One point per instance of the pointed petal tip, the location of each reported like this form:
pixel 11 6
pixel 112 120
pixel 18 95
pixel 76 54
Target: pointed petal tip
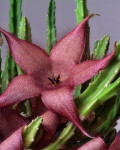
pixel 31 52
pixel 61 102
pixel 83 131
pixel 92 15
pixel 94 144
pixel 5 33
pixel 114 52
pixel 89 16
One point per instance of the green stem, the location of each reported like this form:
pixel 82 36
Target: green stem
pixel 15 14
pixel 51 29
pixel 81 10
pixel 64 136
pixel 106 94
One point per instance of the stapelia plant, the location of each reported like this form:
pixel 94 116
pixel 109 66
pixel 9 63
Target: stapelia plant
pixel 53 77
pixel 43 88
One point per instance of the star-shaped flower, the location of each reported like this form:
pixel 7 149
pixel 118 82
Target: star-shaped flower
pixel 52 77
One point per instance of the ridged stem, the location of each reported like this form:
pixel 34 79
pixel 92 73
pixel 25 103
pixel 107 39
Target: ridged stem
pixel 51 29
pixel 15 13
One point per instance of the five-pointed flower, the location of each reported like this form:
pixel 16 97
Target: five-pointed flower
pixel 52 77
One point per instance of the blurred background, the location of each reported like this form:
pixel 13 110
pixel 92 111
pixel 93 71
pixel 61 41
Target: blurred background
pixel 107 23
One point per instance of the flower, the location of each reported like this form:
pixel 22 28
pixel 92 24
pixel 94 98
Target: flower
pixel 52 77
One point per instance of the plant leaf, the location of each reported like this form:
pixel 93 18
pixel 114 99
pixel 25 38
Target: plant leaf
pixel 30 131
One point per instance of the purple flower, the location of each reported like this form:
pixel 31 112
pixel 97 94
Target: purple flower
pixel 52 77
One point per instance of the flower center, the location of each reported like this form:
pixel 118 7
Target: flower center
pixel 54 80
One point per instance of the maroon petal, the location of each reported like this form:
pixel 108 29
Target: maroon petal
pixel 87 69
pixel 69 50
pixel 95 144
pixel 21 88
pixel 50 122
pixel 50 119
pixel 31 58
pixel 14 142
pixel 116 143
pixel 9 122
pixel 37 107
pixel 61 101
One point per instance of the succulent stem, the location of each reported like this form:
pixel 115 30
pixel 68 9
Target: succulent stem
pixel 51 29
pixel 64 136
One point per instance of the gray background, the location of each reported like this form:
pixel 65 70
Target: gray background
pixel 36 10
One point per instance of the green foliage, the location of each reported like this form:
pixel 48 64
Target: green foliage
pixel 103 79
pixel 15 15
pixel 64 136
pixel 81 10
pixel 30 131
pixel 24 31
pixel 51 29
pixel 100 47
pixel 77 91
pixel 111 117
pixel 110 91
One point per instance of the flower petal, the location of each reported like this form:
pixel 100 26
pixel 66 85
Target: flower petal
pixel 61 101
pixel 69 50
pixel 14 142
pixel 9 122
pixel 50 119
pixel 95 144
pixel 31 58
pixel 21 88
pixel 50 122
pixel 87 69
pixel 37 107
